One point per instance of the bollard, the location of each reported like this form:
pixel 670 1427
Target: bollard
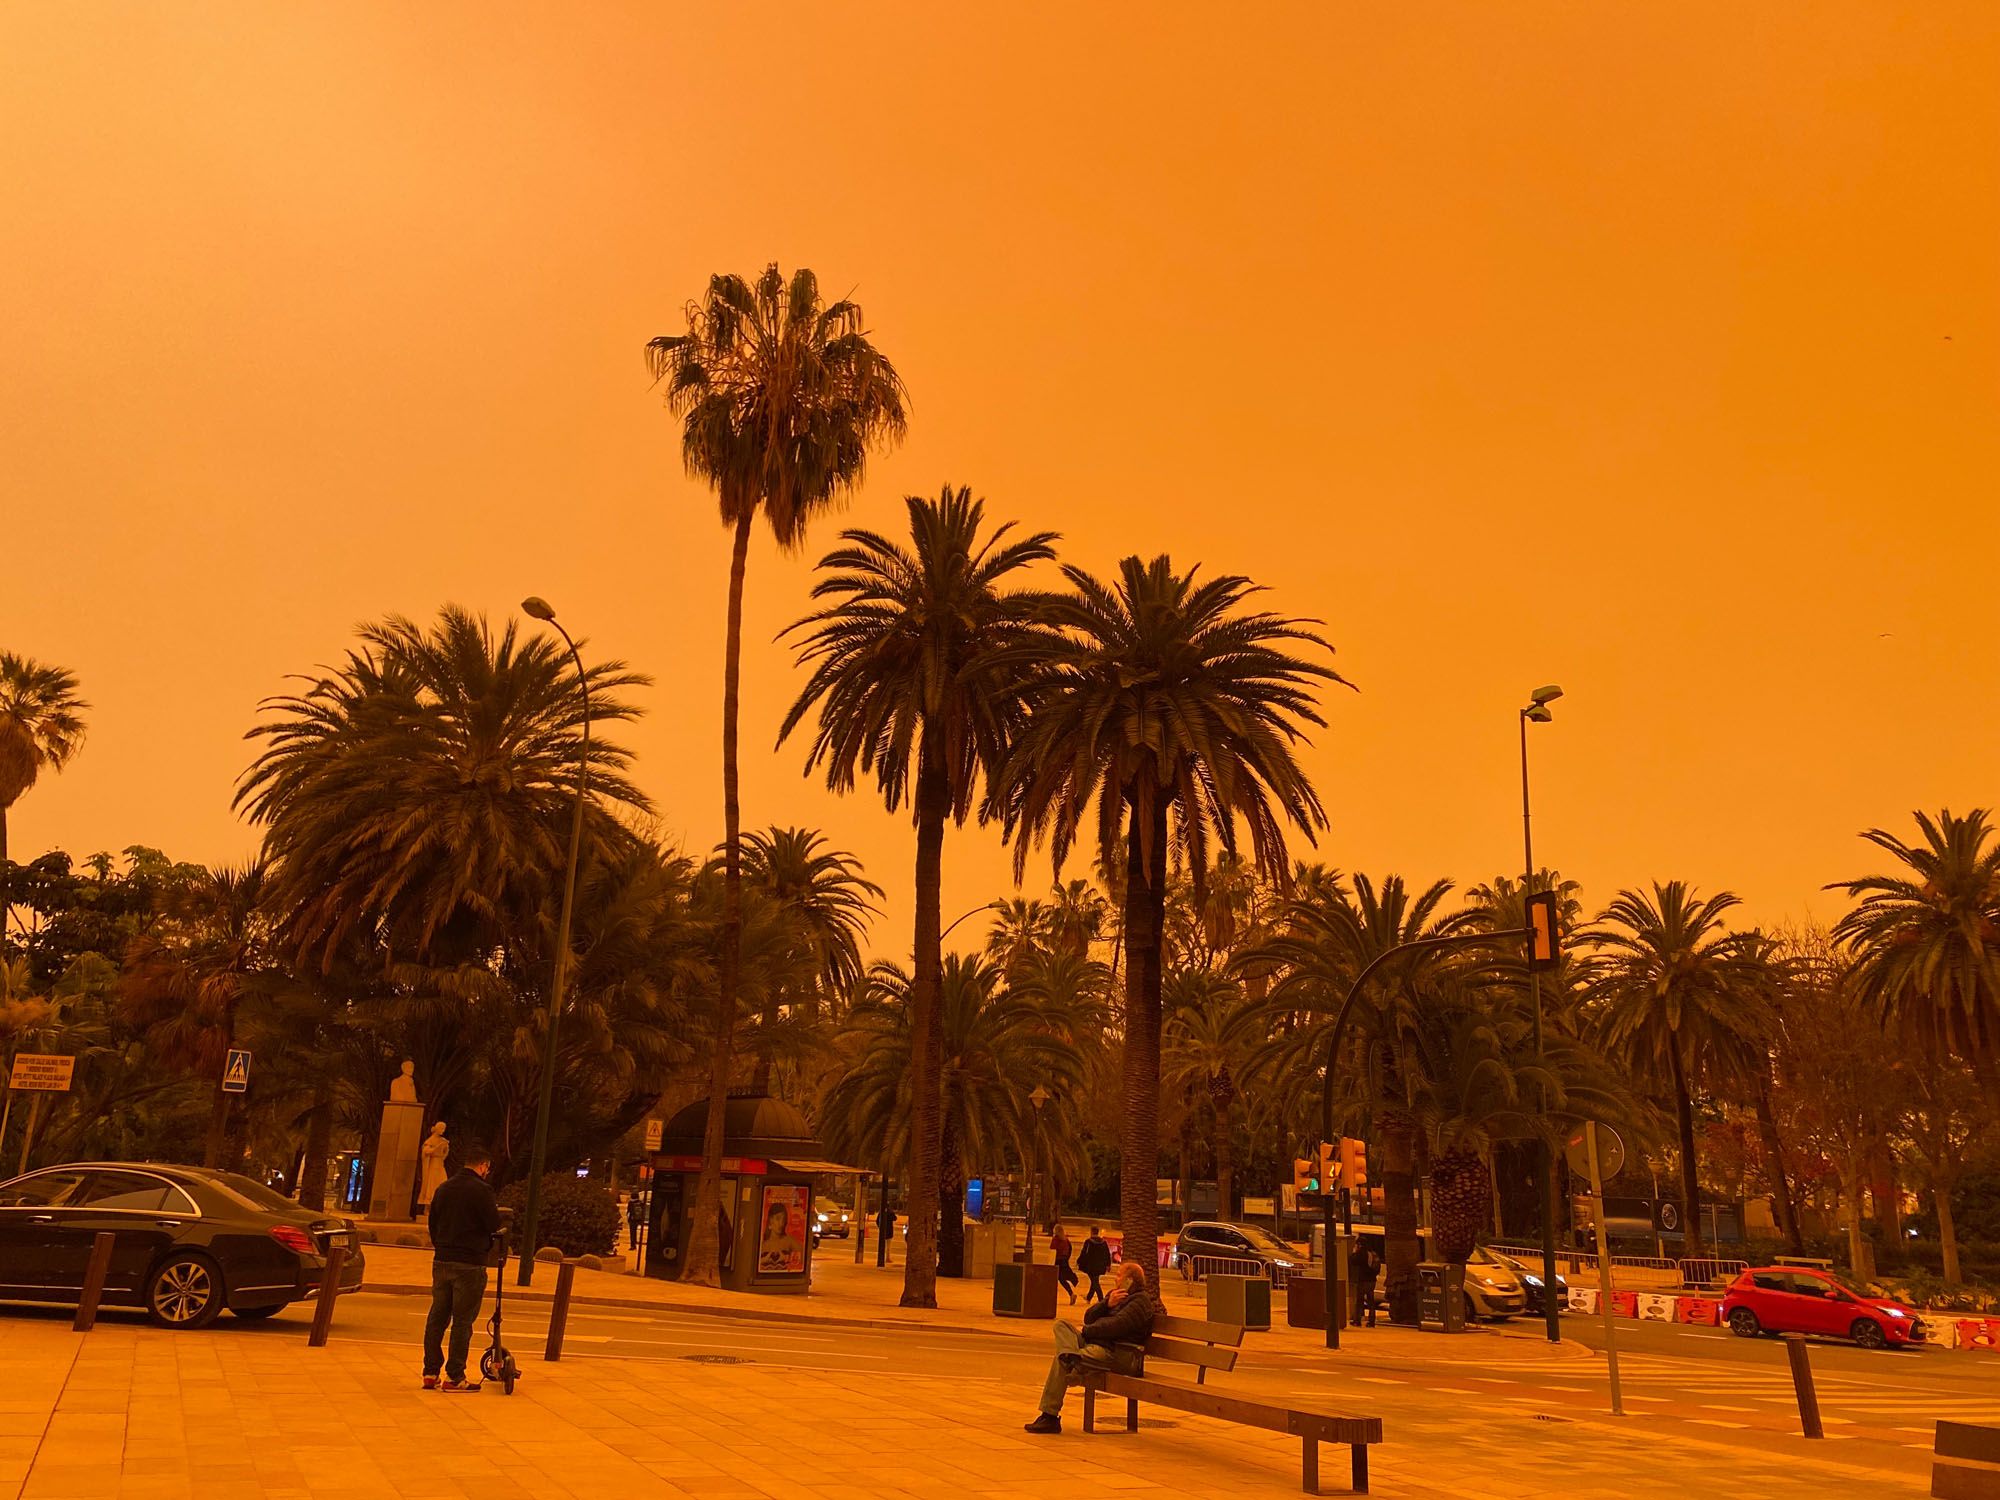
pixel 93 1281
pixel 1802 1384
pixel 329 1288
pixel 559 1311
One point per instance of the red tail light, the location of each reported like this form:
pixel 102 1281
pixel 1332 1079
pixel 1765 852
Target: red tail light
pixel 294 1239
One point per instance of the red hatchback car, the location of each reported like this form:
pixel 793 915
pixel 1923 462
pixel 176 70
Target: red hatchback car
pixel 1799 1299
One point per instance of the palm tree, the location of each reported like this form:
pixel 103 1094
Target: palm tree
pixel 421 795
pixel 186 980
pixel 1206 1041
pixel 828 903
pixel 1925 940
pixel 781 396
pixel 1679 995
pixel 914 679
pixel 999 1044
pixel 41 727
pixel 1172 707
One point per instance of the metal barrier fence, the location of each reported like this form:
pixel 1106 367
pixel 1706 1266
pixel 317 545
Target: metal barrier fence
pixel 1195 1267
pixel 1635 1272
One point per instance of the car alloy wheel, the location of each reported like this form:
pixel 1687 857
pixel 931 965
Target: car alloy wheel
pixel 1743 1323
pixel 184 1293
pixel 1868 1334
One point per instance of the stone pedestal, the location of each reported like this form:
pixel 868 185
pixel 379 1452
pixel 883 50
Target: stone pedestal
pixel 396 1156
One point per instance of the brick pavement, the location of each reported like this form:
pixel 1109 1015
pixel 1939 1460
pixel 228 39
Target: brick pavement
pixel 133 1413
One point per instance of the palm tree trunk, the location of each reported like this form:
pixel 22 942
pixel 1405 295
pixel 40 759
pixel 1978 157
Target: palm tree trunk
pixel 1145 914
pixel 1947 1231
pixel 6 906
pixel 951 1200
pixel 1225 1166
pixel 1690 1177
pixel 1786 1210
pixel 214 1142
pixel 319 1141
pixel 920 1248
pixel 703 1264
pixel 1398 1134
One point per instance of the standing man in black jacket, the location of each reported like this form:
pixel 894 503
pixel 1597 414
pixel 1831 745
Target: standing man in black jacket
pixel 464 1218
pixel 1114 1334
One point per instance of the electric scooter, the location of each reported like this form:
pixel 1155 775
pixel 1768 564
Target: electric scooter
pixel 498 1363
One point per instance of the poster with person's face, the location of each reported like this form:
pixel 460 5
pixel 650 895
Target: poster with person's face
pixel 781 1239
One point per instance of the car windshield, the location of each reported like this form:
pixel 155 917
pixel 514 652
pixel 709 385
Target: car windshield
pixel 1846 1285
pixel 1264 1240
pixel 252 1193
pixel 1484 1257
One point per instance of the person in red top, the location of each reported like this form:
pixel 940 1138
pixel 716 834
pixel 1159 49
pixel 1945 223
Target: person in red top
pixel 1059 1248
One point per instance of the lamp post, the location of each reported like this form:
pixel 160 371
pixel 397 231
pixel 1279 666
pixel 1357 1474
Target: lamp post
pixel 1038 1098
pixel 540 609
pixel 1537 712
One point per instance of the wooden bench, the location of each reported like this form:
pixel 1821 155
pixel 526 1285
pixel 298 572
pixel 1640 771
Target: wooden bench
pixel 1214 1346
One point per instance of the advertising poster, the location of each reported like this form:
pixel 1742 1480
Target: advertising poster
pixel 781 1241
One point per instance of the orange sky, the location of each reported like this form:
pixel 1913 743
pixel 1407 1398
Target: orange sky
pixel 1647 348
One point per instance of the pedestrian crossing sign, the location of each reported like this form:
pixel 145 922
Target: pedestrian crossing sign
pixel 236 1072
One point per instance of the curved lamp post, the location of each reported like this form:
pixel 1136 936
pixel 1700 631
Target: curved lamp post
pixel 1537 712
pixel 540 609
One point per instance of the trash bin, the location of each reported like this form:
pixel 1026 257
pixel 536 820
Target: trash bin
pixel 1305 1302
pixel 1242 1301
pixel 1441 1297
pixel 1023 1291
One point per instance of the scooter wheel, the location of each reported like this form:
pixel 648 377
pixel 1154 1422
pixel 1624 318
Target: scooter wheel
pixel 507 1385
pixel 493 1365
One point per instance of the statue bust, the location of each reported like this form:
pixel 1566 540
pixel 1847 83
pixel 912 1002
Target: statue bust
pixel 403 1087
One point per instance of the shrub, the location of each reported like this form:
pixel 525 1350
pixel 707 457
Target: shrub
pixel 577 1217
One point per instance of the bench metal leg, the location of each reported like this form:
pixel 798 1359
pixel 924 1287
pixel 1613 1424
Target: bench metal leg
pixel 1090 1408
pixel 1131 1415
pixel 1360 1468
pixel 1310 1482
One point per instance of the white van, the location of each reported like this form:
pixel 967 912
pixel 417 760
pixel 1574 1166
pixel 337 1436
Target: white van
pixel 1493 1288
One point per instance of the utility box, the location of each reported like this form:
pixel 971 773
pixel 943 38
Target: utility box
pixel 1441 1297
pixel 1242 1301
pixel 1024 1291
pixel 1305 1302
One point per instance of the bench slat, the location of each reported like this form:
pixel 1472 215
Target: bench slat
pixel 1205 1402
pixel 1182 1351
pixel 1230 1334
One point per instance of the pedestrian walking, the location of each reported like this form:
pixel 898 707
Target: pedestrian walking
pixel 635 1215
pixel 1094 1259
pixel 1059 1248
pixel 464 1217
pixel 1114 1335
pixel 1366 1266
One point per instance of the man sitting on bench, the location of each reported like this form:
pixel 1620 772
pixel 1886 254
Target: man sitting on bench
pixel 1114 1335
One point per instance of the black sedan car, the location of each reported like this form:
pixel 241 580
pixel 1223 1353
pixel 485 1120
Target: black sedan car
pixel 189 1241
pixel 1531 1278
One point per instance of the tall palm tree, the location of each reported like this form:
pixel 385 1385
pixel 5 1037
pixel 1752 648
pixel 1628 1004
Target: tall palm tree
pixel 1206 1040
pixel 781 397
pixel 1925 939
pixel 828 903
pixel 41 727
pixel 1678 995
pixel 421 795
pixel 1172 707
pixel 914 680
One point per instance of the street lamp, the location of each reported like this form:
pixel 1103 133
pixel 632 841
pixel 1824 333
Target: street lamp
pixel 1038 1098
pixel 539 609
pixel 1537 712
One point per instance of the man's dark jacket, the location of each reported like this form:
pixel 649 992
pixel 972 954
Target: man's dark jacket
pixel 1094 1258
pixel 464 1216
pixel 1130 1322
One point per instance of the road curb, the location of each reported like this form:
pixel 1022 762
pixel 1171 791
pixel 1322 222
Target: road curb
pixel 700 1309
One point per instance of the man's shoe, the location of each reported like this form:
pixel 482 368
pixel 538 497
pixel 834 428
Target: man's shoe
pixel 457 1387
pixel 430 1382
pixel 1044 1425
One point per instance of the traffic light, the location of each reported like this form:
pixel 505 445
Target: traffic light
pixel 1328 1167
pixel 1544 941
pixel 1302 1176
pixel 1353 1164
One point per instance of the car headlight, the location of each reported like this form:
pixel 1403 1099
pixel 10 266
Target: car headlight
pixel 1895 1312
pixel 1283 1265
pixel 1532 1280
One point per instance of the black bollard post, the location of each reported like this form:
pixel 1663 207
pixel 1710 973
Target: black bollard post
pixel 329 1288
pixel 559 1311
pixel 1802 1385
pixel 93 1281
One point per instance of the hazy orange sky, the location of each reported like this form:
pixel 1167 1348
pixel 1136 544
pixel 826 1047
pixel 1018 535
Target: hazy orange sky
pixel 1644 348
